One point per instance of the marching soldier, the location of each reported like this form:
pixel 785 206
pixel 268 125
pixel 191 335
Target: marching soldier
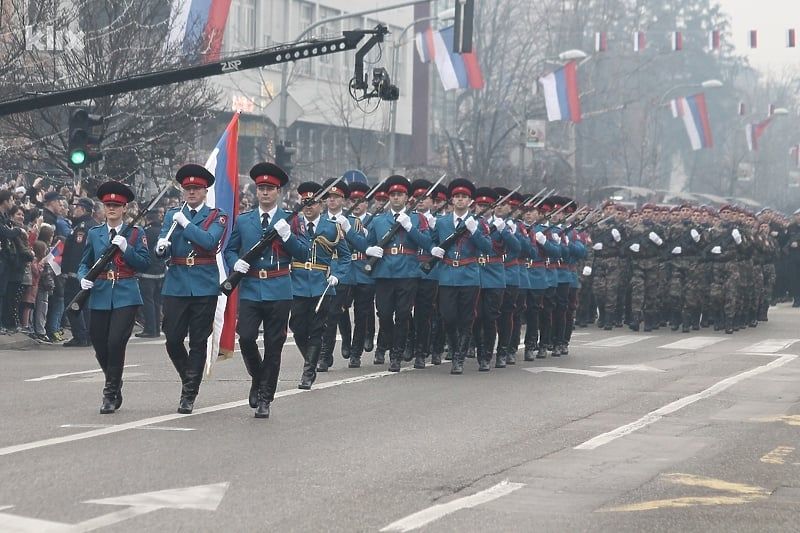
pixel 265 293
pixel 191 285
pixel 114 297
pixel 576 252
pixel 459 278
pixel 419 343
pixel 684 289
pixel 397 270
pixel 644 243
pixel 315 279
pixel 514 287
pixel 74 245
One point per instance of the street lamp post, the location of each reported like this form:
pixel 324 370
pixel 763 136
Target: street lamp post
pixel 444 15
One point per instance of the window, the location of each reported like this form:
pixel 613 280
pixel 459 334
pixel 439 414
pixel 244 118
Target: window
pixel 328 64
pixel 243 29
pixel 305 18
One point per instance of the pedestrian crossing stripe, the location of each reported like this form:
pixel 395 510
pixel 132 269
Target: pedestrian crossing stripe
pixel 770 346
pixel 619 341
pixel 693 343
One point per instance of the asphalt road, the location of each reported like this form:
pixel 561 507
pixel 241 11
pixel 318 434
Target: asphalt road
pixel 631 432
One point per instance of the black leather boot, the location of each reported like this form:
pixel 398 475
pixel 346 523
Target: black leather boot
pixel 262 403
pixel 109 395
pixel 501 359
pixel 530 352
pixel 355 361
pixel 118 399
pixel 419 360
pixel 310 367
pixel 436 359
pixel 325 357
pixel 253 366
pixel 729 326
pixel 380 356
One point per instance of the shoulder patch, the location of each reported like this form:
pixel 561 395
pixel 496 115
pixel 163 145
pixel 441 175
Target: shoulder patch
pixel 222 219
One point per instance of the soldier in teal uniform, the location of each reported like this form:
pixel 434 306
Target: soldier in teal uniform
pixel 459 278
pixel 317 276
pixel 506 354
pixel 397 271
pixel 115 297
pixel 265 293
pixel 191 285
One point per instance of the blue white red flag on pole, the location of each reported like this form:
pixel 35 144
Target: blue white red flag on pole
pixel 224 195
pixel 425 45
pixel 600 41
pixel 639 41
pixel 694 112
pixel 794 151
pixel 677 41
pixel 199 25
pixel 55 257
pixel 457 71
pixel 561 95
pixel 714 40
pixel 754 132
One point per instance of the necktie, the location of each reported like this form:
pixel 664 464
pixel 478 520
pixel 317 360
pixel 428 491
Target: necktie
pixel 112 234
pixel 193 212
pixel 265 220
pixel 311 229
pixel 458 222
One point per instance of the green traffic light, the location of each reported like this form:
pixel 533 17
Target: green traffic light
pixel 77 157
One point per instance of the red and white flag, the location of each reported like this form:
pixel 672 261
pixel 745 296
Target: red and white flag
pixel 600 41
pixel 639 41
pixel 714 40
pixel 677 41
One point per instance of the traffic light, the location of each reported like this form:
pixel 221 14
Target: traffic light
pixel 465 20
pixel 85 136
pixel 283 156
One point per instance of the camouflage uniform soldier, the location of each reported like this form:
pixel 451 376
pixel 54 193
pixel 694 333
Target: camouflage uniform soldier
pixel 770 251
pixel 725 275
pixel 644 242
pixel 704 218
pixel 685 288
pixel 606 270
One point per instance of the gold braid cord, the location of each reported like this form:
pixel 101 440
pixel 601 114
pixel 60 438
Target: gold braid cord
pixel 328 245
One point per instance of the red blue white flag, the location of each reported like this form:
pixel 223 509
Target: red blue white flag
pixel 426 47
pixel 714 40
pixel 561 96
pixel 457 71
pixel 694 112
pixel 677 41
pixel 601 41
pixel 55 257
pixel 639 41
pixel 198 26
pixel 753 132
pixel 224 195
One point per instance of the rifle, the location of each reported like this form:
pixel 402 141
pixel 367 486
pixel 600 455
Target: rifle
pixel 363 199
pixel 258 248
pixel 528 203
pixel 548 216
pixel 457 234
pixel 111 250
pixel 386 239
pixel 575 224
pixel 503 200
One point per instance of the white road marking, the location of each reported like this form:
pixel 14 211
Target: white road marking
pixel 655 416
pixel 154 420
pixel 431 514
pixel 693 343
pixel 613 370
pixel 770 346
pixel 86 426
pixel 615 342
pixel 56 376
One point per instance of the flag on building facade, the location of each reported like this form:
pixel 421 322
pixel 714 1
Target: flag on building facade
pixel 198 27
pixel 694 112
pixel 224 195
pixel 561 95
pixel 457 71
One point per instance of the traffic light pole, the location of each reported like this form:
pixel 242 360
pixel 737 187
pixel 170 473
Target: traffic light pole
pixel 349 41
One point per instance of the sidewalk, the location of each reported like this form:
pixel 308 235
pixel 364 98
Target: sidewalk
pixel 18 341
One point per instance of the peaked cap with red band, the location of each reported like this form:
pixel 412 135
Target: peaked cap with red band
pixel 485 195
pixel 358 190
pixel 194 175
pixel 269 174
pixel 461 186
pixel 420 187
pixel 340 188
pixel 114 192
pixel 398 183
pixel 308 189
pixel 514 201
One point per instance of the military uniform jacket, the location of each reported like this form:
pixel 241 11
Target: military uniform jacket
pixel 400 254
pixel 117 286
pixel 193 268
pixel 310 278
pixel 602 234
pixel 272 268
pixel 640 234
pixel 551 251
pixel 74 245
pixel 460 267
pixel 357 239
pixel 492 265
pixel 525 257
pixel 576 252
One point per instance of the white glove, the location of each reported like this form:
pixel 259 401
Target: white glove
pixel 716 250
pixel 405 221
pixel 333 280
pixel 283 229
pixel 737 237
pixel 472 225
pixel 162 245
pixel 343 222
pixel 566 240
pixel 511 227
pixel 653 236
pixel 634 247
pixel 499 223
pixel 793 245
pixel 597 246
pixel 374 251
pixel 437 252
pixel 431 220
pixel 695 235
pixel 587 271
pixel 616 235
pixel 540 238
pixel 86 284
pixel 241 266
pixel 677 250
pixel 120 242
pixel 556 238
pixel 773 233
pixel 181 219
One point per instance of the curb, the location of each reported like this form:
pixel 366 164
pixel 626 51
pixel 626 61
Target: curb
pixel 18 341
